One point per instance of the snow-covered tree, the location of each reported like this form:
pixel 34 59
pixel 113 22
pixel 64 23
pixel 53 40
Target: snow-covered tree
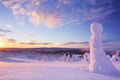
pixel 76 57
pixel 63 57
pixel 86 57
pixel 116 57
pixel 99 62
pixel 68 58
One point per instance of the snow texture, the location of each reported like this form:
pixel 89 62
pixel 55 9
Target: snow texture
pixel 99 63
pixel 36 70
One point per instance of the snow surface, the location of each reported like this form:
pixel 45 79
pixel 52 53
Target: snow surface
pixel 99 62
pixel 45 70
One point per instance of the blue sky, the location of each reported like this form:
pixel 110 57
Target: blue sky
pixel 57 23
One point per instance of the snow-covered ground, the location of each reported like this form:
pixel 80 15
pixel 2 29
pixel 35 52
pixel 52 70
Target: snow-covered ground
pixel 46 70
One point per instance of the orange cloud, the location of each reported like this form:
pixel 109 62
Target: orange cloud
pixel 30 35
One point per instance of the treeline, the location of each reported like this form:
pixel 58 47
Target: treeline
pixel 46 50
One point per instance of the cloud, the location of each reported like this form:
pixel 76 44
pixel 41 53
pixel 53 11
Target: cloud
pixel 6 31
pixel 34 43
pixel 31 35
pixel 2 36
pixel 88 10
pixel 36 18
pixel 111 45
pixel 49 20
pixel 95 10
pixel 97 14
pixel 30 10
pixel 52 21
pixel 10 40
pixel 14 43
pixel 9 26
pixel 109 41
pixel 52 14
pixel 75 43
pixel 65 2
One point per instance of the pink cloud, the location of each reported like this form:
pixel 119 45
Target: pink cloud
pixel 49 20
pixel 29 10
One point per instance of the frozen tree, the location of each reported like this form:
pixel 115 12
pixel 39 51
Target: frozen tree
pixel 86 57
pixel 76 57
pixel 116 57
pixel 63 57
pixel 99 62
pixel 44 58
pixel 68 58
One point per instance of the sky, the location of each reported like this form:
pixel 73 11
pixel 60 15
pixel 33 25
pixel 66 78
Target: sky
pixel 57 23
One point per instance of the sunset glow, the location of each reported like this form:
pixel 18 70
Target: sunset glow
pixel 2 44
pixel 57 23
